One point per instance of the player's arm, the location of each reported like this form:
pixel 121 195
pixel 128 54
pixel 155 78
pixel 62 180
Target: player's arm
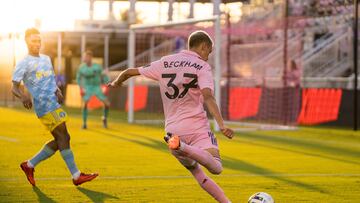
pixel 59 95
pixel 78 81
pixel 17 92
pixel 104 76
pixel 79 77
pixel 123 76
pixel 213 108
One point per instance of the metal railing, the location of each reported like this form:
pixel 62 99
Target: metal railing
pixel 331 54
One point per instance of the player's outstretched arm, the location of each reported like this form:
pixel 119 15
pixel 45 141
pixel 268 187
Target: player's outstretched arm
pixel 59 96
pixel 104 77
pixel 215 112
pixel 123 76
pixel 79 78
pixel 25 99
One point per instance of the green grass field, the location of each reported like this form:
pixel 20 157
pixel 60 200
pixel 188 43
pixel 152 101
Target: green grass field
pixel 308 165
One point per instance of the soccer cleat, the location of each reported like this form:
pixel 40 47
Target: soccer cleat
pixel 104 120
pixel 174 142
pixel 84 178
pixel 167 137
pixel 84 126
pixel 29 172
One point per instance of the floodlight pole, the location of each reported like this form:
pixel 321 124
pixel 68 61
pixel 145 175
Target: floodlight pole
pixel 228 64
pixel 131 64
pixel 355 60
pixel 285 46
pixel 106 51
pixel 285 61
pixel 217 65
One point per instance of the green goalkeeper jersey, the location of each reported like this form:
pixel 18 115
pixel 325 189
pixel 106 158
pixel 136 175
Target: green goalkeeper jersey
pixel 91 76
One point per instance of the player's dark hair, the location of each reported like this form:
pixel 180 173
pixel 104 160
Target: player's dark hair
pixel 198 37
pixel 31 31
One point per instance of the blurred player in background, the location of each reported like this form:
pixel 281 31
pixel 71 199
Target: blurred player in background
pixel 186 82
pixel 90 77
pixel 37 73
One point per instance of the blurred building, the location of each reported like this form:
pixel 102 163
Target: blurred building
pixel 107 37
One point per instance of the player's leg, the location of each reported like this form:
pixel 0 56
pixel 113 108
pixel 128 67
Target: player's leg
pixel 203 180
pixel 208 158
pixel 62 138
pixel 49 148
pixel 106 108
pixel 100 95
pixel 208 155
pixel 46 152
pixel 89 92
pixel 52 145
pixel 85 114
pixel 208 184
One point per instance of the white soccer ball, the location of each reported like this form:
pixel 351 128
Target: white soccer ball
pixel 261 197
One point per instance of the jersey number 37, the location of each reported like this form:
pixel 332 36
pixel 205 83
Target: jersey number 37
pixel 177 94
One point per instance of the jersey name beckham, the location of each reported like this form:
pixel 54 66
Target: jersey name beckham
pixel 180 64
pixel 181 77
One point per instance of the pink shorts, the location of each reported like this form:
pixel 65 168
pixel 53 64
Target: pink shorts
pixel 200 140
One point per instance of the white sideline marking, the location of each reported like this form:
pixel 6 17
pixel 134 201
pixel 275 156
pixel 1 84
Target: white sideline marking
pixel 9 139
pixel 180 177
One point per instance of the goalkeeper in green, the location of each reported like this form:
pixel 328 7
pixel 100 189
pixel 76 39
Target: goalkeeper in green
pixel 89 77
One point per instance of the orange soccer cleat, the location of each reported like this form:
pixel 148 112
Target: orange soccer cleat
pixel 84 178
pixel 29 172
pixel 174 142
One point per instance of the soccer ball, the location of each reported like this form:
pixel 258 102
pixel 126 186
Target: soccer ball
pixel 261 197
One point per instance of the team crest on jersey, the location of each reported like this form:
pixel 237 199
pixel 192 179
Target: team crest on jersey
pixel 62 114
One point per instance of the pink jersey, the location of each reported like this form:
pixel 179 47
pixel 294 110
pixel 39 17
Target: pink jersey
pixel 181 77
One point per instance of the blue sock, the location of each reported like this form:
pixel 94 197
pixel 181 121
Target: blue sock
pixel 43 154
pixel 68 157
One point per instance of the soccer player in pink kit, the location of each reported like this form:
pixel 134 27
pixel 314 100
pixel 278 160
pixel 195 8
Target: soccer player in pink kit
pixel 186 82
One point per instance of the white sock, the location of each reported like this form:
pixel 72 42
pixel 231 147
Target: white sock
pixel 76 175
pixel 29 164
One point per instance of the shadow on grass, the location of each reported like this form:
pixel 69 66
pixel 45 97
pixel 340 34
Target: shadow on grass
pixel 95 196
pixel 151 143
pixel 228 162
pixel 239 165
pixel 42 197
pixel 306 153
pixel 299 143
pixel 276 142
